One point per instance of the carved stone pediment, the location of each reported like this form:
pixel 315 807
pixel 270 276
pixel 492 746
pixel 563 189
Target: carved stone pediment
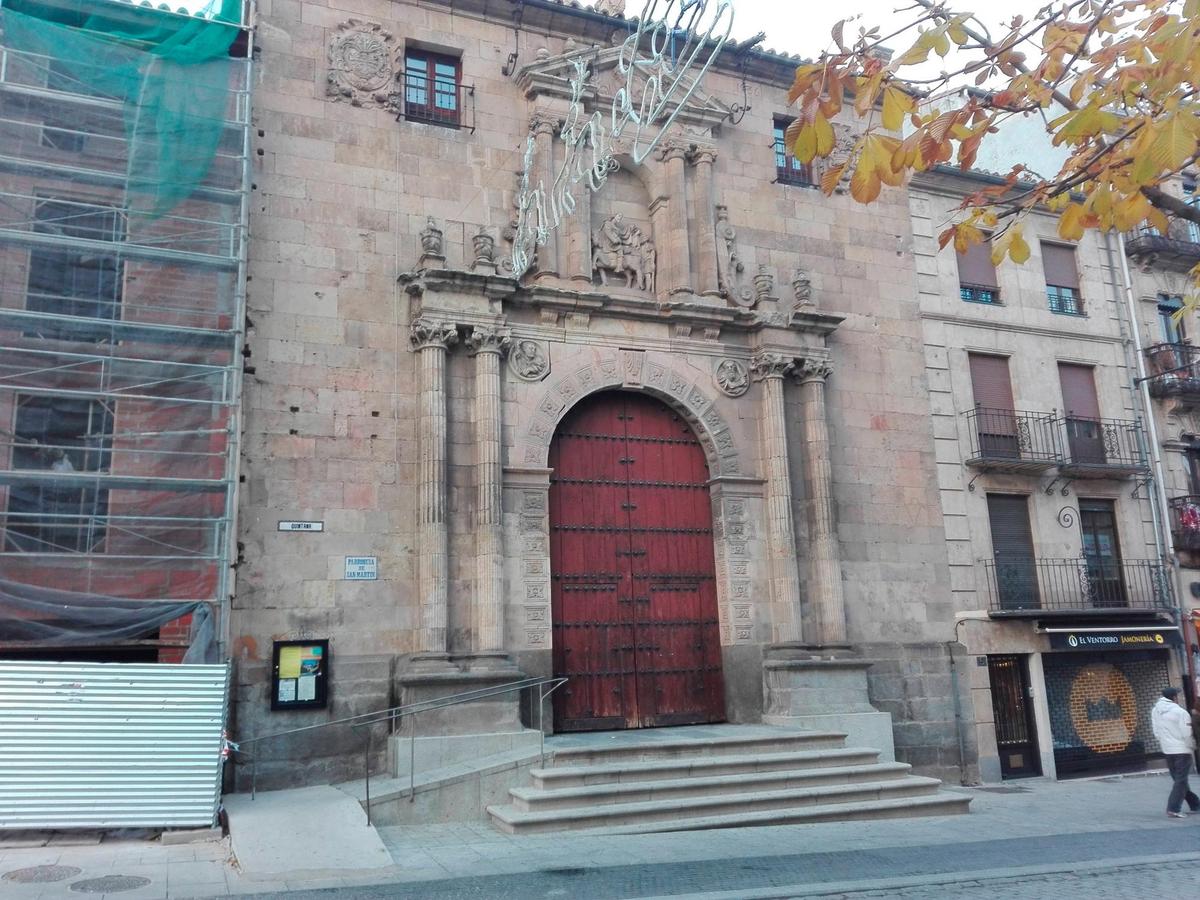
pixel 551 77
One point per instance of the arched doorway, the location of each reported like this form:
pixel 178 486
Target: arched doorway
pixel 633 581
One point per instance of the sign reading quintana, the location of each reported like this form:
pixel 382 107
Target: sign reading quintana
pixel 663 63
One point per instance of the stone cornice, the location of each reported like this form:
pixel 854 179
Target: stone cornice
pixel 550 77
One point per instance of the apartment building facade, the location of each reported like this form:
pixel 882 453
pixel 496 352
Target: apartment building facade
pixel 1065 591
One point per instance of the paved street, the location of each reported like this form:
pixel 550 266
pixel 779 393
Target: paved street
pixel 1089 839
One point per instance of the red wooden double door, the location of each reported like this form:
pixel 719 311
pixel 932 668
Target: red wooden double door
pixel 633 593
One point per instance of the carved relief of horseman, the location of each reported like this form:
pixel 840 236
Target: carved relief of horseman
pixel 624 249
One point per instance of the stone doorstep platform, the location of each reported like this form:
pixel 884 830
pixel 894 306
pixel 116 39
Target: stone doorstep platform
pixel 713 776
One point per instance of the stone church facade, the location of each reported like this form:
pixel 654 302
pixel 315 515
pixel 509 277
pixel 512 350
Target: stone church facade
pixel 706 326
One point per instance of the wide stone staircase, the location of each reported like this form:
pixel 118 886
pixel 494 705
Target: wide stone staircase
pixel 682 779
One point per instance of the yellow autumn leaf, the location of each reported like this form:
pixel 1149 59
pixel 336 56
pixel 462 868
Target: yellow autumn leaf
pixel 865 184
pixel 805 147
pixel 1129 211
pixel 956 32
pixel 824 135
pixel 1070 223
pixel 830 178
pixel 896 104
pixel 1158 219
pixel 1174 143
pixel 965 236
pixel 1018 249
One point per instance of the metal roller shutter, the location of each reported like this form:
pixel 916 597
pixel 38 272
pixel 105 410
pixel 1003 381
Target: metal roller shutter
pixel 990 382
pixel 105 745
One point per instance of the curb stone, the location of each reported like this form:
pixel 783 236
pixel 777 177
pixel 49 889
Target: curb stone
pixel 882 887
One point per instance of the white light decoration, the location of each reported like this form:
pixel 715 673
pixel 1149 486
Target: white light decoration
pixel 671 64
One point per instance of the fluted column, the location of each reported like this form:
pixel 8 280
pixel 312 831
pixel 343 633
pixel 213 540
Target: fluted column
pixel 431 339
pixel 543 125
pixel 703 159
pixel 679 262
pixel 578 227
pixel 770 369
pixel 826 574
pixel 488 345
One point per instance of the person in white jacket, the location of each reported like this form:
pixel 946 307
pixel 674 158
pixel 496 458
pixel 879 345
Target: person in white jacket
pixel 1173 728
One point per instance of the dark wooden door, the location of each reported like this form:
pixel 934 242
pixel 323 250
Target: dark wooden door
pixel 633 587
pixel 1016 735
pixel 1102 552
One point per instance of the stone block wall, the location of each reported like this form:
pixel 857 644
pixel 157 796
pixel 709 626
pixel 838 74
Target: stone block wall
pixel 914 683
pixel 360 684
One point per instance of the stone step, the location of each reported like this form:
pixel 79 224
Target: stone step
pixel 731 764
pixel 681 748
pixel 900 808
pixel 513 820
pixel 532 799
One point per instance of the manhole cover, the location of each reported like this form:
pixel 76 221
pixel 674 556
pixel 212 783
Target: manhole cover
pixel 41 874
pixel 110 884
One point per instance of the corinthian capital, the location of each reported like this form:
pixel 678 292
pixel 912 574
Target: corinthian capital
pixel 707 155
pixel 542 122
pixel 771 365
pixel 814 368
pixel 673 149
pixel 425 332
pixel 489 339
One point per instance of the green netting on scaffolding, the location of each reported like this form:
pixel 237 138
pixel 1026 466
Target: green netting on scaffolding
pixel 169 72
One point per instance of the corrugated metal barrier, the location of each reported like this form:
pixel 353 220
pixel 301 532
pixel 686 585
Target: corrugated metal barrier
pixel 100 745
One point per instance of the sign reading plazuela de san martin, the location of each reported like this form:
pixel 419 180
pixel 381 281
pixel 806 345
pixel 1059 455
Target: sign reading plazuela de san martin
pixel 1116 639
pixel 663 63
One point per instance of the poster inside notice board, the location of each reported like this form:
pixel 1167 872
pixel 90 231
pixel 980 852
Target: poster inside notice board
pixel 300 675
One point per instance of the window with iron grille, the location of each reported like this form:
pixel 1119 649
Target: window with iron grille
pixel 84 282
pixel 1062 279
pixel 789 170
pixel 432 88
pixel 58 436
pixel 977 275
pixel 1192 199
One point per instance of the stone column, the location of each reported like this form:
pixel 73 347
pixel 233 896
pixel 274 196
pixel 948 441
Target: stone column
pixel 488 344
pixel 826 572
pixel 770 369
pixel 703 160
pixel 578 228
pixel 431 339
pixel 543 125
pixel 678 255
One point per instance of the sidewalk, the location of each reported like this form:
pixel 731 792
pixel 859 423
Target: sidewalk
pixel 461 860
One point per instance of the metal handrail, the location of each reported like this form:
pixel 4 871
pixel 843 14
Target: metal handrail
pixel 393 713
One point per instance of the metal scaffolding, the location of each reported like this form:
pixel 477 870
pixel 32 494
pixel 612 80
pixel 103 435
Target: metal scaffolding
pixel 122 310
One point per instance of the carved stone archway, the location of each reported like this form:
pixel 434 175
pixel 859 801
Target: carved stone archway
pixel 738 539
pixel 632 371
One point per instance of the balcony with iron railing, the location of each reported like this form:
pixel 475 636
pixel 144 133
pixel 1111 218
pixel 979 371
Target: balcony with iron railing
pixel 1185 522
pixel 1103 448
pixel 1173 371
pixel 1177 251
pixel 1026 586
pixel 1005 440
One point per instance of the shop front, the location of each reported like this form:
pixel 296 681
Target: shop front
pixel 1100 685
